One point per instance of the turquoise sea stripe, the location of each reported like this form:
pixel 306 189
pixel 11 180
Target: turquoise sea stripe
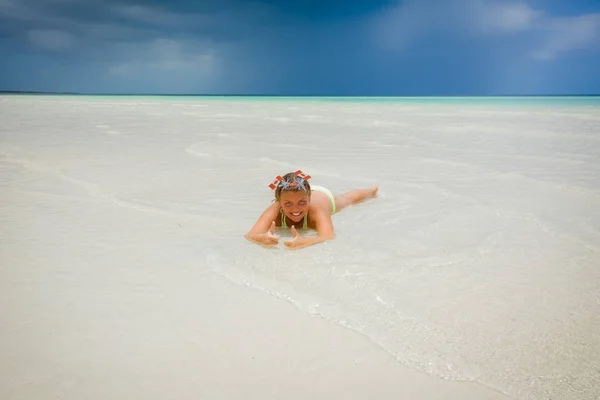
pixel 567 101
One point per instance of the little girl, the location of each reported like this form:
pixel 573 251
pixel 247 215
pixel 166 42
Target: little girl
pixel 298 205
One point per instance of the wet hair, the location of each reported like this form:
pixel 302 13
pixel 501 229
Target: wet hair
pixel 292 183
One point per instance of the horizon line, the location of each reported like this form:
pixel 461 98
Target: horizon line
pixel 288 95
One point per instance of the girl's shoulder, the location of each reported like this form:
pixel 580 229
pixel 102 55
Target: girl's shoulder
pixel 276 209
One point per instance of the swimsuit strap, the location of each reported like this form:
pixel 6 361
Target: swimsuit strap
pixel 283 220
pixel 304 225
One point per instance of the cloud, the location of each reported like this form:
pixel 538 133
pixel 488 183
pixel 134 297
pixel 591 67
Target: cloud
pixel 50 39
pixel 165 55
pixel 398 27
pixel 160 17
pixel 507 17
pixel 40 11
pixel 226 17
pixel 146 46
pixel 151 15
pixel 402 26
pixel 562 35
pixel 165 65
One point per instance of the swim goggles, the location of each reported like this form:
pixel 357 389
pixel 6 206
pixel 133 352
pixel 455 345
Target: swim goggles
pixel 299 180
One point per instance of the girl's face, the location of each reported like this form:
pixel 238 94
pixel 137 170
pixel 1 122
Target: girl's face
pixel 294 204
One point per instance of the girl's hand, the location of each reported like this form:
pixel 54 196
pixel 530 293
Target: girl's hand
pixel 266 239
pixel 297 241
pixel 269 238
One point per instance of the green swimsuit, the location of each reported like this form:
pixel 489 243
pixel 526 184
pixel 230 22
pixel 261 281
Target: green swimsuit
pixel 283 223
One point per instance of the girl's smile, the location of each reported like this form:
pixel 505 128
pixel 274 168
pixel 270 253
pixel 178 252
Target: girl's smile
pixel 294 204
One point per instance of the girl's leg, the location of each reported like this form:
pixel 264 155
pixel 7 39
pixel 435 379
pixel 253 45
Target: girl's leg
pixel 354 196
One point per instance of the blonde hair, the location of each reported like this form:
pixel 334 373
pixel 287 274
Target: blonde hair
pixel 292 183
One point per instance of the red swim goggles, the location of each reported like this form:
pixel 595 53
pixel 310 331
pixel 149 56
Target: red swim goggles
pixel 299 179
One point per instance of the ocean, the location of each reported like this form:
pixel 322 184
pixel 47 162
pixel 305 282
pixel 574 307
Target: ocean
pixel 478 261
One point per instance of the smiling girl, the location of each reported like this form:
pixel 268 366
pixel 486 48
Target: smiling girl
pixel 298 205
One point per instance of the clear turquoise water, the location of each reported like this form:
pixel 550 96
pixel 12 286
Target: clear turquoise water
pixel 587 101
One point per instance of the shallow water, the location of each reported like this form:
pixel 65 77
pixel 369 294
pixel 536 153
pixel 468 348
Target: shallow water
pixel 479 260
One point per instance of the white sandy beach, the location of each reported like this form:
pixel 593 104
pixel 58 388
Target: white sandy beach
pixel 124 272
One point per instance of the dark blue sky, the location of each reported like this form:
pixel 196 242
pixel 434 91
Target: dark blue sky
pixel 300 47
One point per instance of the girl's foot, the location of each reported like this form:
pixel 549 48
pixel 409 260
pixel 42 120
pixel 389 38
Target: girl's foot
pixel 374 190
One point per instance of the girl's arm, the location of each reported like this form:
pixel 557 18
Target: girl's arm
pixel 263 229
pixel 324 227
